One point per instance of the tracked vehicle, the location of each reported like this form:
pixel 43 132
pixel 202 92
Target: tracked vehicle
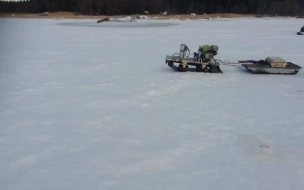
pixel 203 61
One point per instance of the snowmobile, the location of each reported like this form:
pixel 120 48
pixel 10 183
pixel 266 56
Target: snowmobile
pixel 203 60
pixel 301 31
pixel 271 65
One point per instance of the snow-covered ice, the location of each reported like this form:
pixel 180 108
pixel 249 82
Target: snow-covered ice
pixel 94 106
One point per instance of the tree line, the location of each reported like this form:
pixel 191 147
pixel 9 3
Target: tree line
pixel 126 7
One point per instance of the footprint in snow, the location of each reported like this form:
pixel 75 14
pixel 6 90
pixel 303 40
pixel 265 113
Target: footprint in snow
pixel 256 147
pixel 264 146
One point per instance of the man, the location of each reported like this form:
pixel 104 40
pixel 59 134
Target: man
pixel 301 31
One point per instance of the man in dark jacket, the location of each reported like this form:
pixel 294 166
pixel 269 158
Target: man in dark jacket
pixel 301 31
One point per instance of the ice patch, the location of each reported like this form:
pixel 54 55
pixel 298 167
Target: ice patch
pixel 152 93
pixel 145 24
pixel 108 118
pixel 145 105
pixel 40 139
pixel 25 162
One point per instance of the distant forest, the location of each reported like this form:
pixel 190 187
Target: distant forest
pixel 126 7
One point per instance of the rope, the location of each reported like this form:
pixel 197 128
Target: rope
pixel 230 63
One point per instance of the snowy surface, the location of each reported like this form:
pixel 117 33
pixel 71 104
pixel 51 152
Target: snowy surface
pixel 88 106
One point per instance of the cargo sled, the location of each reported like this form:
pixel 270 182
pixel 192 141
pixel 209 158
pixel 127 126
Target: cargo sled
pixel 271 65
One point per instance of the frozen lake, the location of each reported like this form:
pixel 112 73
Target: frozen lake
pixel 88 106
